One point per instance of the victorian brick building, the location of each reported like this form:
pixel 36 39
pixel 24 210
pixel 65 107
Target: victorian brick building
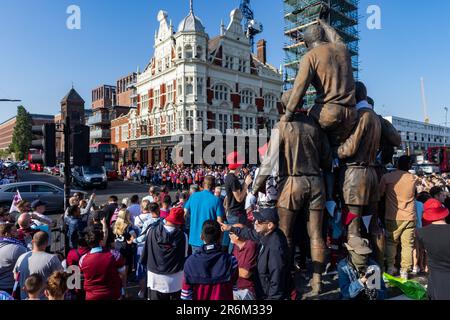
pixel 193 83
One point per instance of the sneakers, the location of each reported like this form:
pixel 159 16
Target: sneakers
pixel 404 275
pixel 416 270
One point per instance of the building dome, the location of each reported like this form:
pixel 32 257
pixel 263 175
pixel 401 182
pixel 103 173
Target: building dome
pixel 191 23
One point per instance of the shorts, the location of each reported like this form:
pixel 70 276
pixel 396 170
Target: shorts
pixel 360 186
pixel 298 192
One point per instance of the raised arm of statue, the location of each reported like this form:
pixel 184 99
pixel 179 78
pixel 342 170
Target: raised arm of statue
pixel 330 32
pixel 301 85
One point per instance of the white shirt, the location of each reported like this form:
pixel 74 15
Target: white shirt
pixel 43 219
pixel 149 198
pixel 140 219
pixel 167 283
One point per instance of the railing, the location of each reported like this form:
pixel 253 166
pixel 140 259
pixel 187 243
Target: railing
pixel 99 118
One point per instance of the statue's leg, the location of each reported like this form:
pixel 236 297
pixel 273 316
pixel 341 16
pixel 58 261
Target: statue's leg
pixel 287 225
pixel 318 248
pixel 354 228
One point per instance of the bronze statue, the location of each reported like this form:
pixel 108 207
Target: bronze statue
pixel 327 67
pixel 360 187
pixel 299 150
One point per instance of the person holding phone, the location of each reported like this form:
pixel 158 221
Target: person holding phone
pixel 359 276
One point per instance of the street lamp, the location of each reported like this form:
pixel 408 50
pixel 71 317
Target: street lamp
pixel 10 100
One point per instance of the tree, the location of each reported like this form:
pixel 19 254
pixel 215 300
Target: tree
pixel 22 135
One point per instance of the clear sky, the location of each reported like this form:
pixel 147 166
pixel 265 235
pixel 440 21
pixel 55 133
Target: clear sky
pixel 40 57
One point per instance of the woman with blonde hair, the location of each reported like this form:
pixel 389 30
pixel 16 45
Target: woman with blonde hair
pixel 57 286
pixel 124 234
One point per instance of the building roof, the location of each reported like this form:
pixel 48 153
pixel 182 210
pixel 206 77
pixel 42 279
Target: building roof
pixel 191 23
pixel 73 97
pixel 213 43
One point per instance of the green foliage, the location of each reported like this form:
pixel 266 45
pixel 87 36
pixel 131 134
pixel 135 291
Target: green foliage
pixel 22 136
pixel 4 154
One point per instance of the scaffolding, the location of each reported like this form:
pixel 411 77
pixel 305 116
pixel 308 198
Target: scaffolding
pixel 299 14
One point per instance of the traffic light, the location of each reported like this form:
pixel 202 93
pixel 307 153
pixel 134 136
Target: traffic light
pixel 47 144
pixel 80 145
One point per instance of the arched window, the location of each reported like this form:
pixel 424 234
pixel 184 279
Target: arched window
pixel 189 85
pixel 270 102
pixel 179 53
pixel 247 97
pixel 221 93
pixel 188 52
pixel 189 120
pixel 199 52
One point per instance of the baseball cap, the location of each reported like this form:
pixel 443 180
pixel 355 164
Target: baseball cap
pixel 267 214
pixel 359 245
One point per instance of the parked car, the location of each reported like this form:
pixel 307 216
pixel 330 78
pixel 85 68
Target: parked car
pixel 90 177
pixel 33 190
pixel 55 171
pixel 48 170
pixel 23 165
pixel 8 163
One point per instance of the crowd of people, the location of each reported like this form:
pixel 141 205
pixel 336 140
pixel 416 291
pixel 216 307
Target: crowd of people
pixel 174 177
pixel 205 244
pixel 8 174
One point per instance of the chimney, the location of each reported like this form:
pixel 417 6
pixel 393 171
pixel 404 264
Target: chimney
pixel 261 50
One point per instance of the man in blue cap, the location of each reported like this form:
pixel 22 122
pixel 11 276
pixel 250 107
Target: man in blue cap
pixel 273 259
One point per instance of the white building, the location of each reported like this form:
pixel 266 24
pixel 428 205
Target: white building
pixel 418 136
pixel 193 82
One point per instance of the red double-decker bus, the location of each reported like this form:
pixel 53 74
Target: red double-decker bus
pixel 441 157
pixel 35 166
pixel 111 153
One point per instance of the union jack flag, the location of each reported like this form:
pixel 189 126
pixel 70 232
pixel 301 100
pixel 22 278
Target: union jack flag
pixel 17 198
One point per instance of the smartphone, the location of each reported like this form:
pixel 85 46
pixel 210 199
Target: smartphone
pixel 369 274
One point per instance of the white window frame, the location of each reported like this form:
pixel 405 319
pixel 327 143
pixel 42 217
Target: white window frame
pixel 189 84
pixel 247 97
pixel 157 97
pixel 270 102
pixel 189 120
pixel 188 51
pixel 199 86
pixel 157 124
pixel 222 92
pixel 145 104
pixel 170 92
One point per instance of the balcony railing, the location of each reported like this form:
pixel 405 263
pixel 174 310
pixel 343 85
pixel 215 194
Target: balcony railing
pixel 101 134
pixel 99 118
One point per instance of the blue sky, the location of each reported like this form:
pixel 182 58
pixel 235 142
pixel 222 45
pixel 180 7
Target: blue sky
pixel 40 57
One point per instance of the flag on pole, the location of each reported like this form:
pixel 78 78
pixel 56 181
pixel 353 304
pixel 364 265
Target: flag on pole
pixel 17 198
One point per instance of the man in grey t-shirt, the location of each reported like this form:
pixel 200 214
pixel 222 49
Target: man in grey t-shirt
pixel 10 250
pixel 36 261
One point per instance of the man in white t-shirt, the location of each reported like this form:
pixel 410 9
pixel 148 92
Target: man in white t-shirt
pixel 152 196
